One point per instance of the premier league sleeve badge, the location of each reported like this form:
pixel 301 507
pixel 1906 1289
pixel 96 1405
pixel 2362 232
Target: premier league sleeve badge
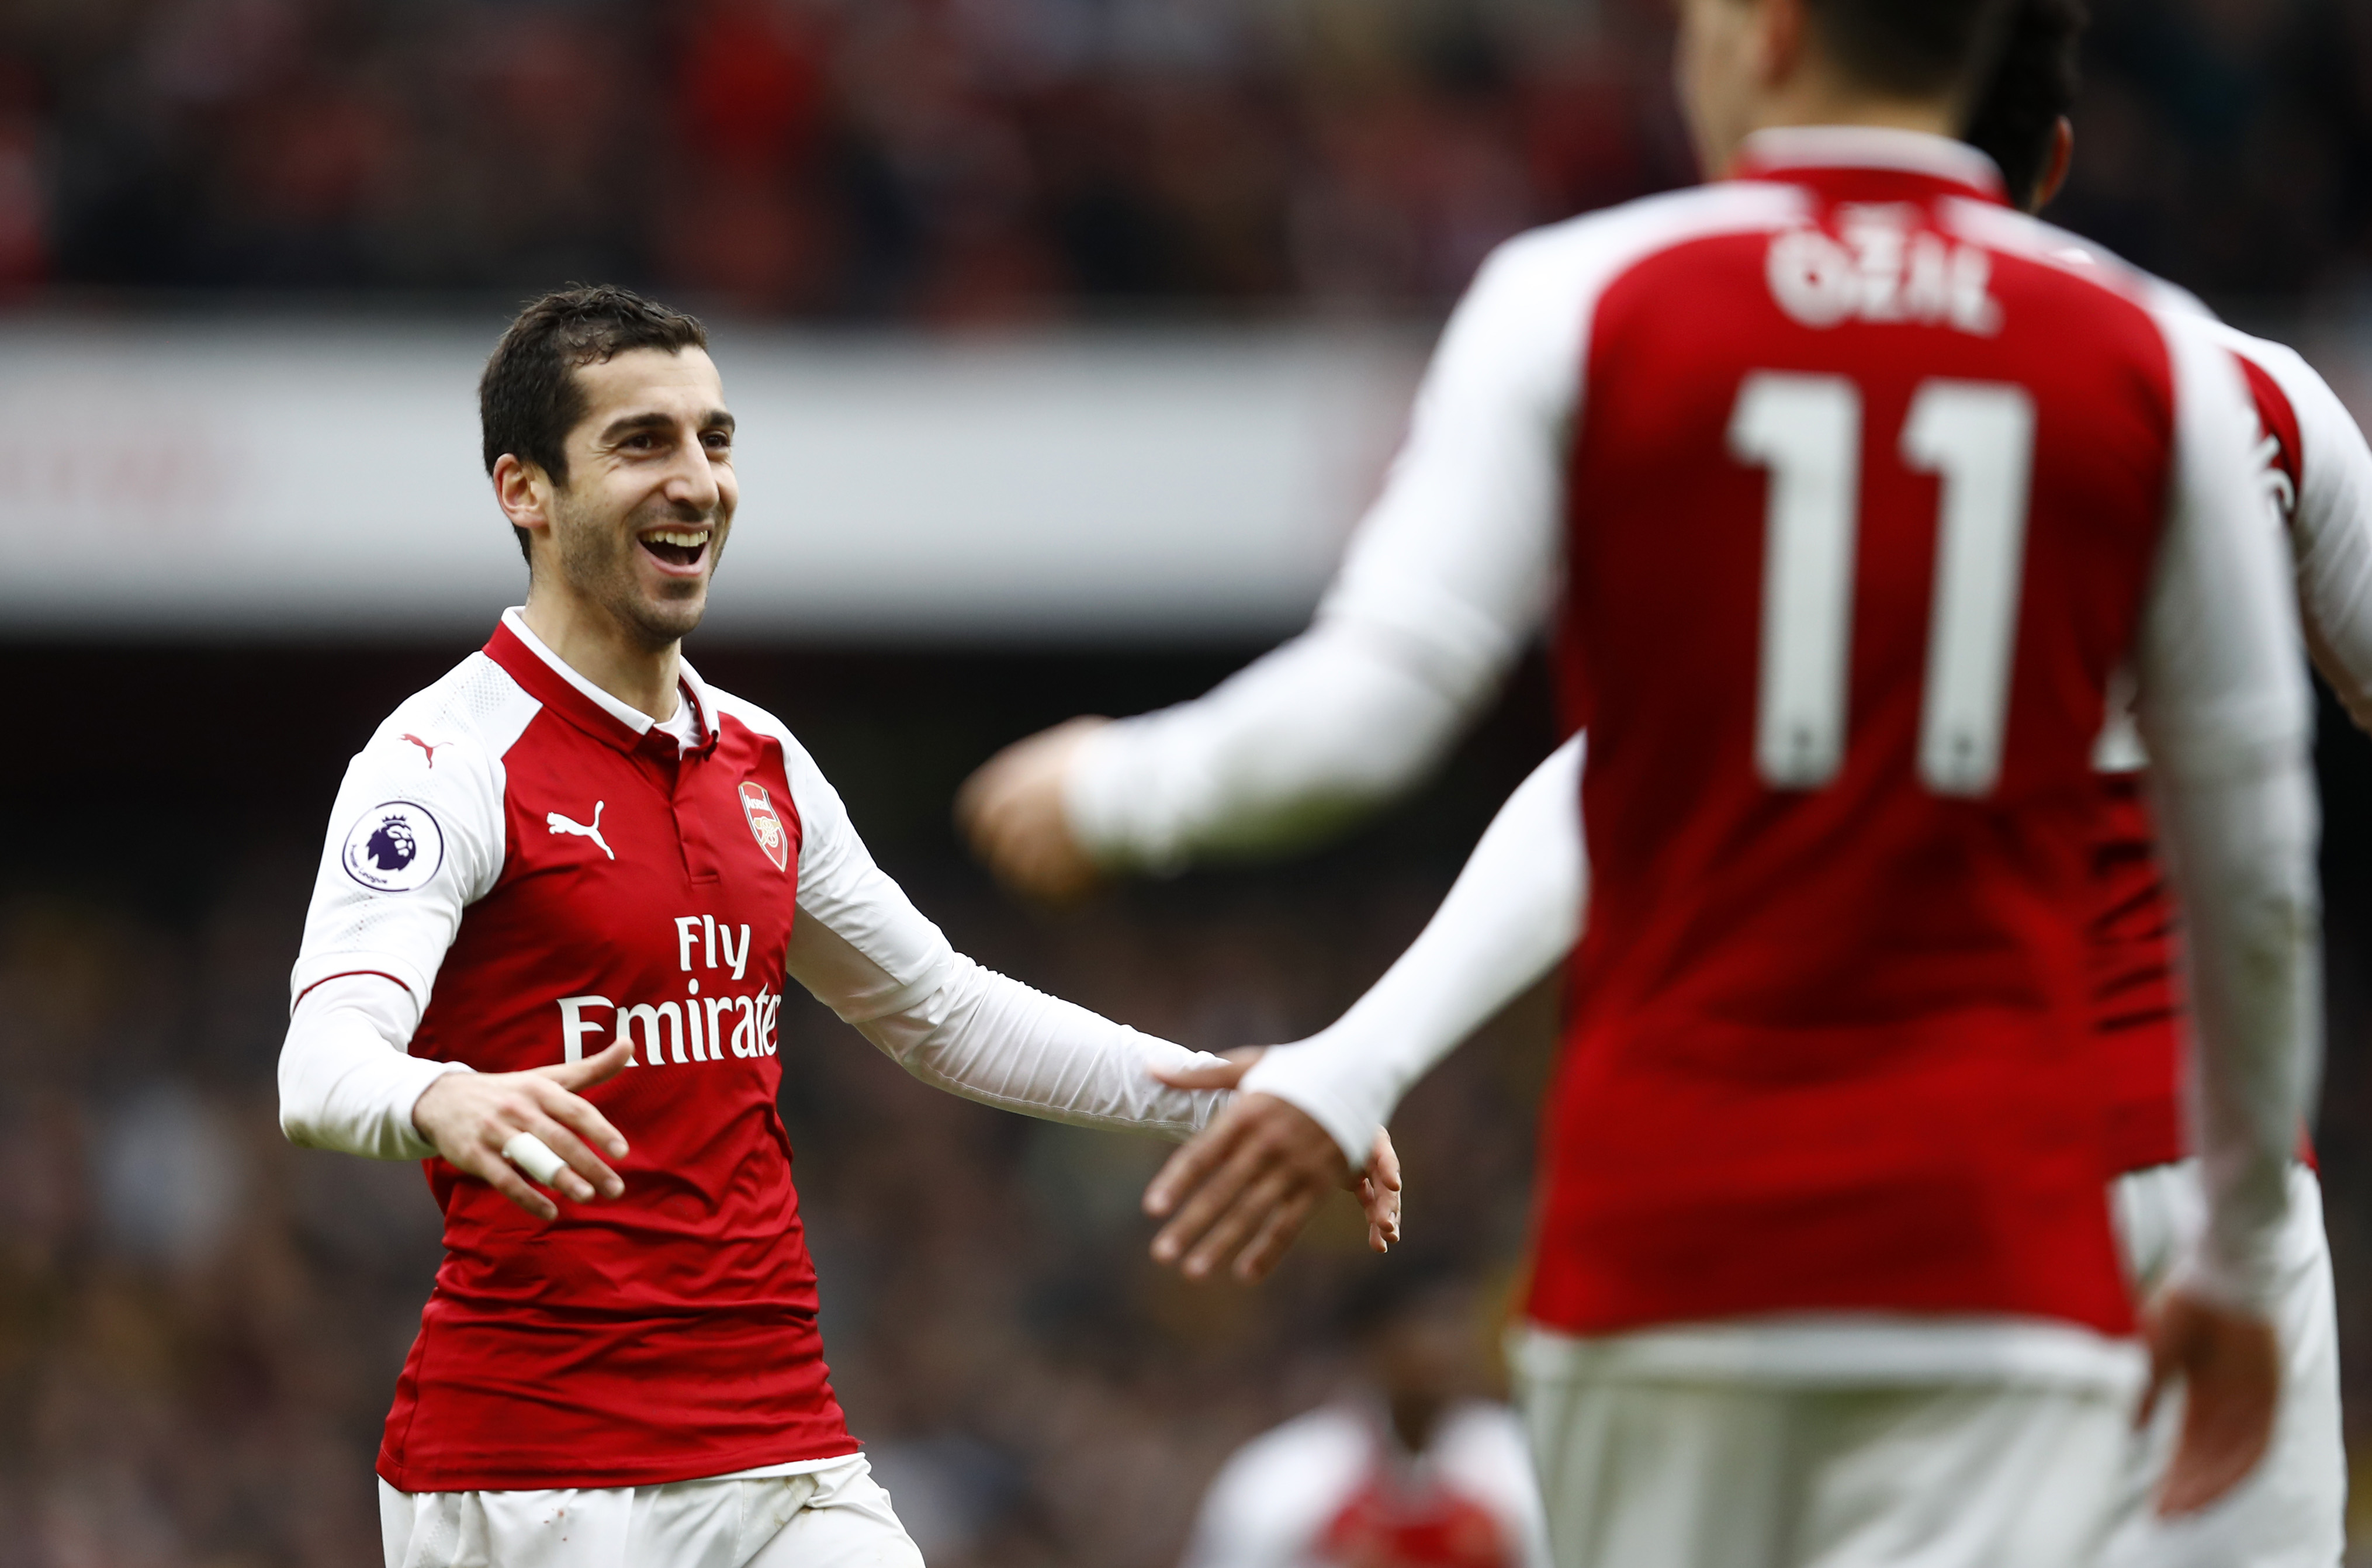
pixel 394 847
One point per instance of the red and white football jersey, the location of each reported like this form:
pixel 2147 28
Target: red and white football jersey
pixel 1856 486
pixel 549 873
pixel 1863 492
pixel 1333 1489
pixel 613 888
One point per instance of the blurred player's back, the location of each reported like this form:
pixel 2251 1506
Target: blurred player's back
pixel 1859 521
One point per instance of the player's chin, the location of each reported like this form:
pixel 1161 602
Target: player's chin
pixel 672 609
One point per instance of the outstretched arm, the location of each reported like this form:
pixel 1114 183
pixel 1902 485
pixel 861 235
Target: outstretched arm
pixel 1445 582
pixel 1239 1192
pixel 862 949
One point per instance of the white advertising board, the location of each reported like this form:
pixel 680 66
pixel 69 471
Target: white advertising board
pixel 322 478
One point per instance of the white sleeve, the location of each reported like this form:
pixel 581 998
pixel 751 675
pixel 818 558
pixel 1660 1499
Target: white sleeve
pixel 862 949
pixel 1448 579
pixel 2224 710
pixel 1514 911
pixel 2330 526
pixel 345 1083
pixel 415 837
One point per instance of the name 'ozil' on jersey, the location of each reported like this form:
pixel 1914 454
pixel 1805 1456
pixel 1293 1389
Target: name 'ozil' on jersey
pixel 1865 492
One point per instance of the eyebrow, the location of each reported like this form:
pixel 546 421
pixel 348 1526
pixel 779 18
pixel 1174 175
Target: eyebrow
pixel 716 419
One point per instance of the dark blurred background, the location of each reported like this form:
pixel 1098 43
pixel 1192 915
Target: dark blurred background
pixel 1003 160
pixel 199 1326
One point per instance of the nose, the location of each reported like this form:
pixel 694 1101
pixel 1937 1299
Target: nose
pixel 692 481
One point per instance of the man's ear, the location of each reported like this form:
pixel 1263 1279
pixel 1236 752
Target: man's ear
pixel 2055 168
pixel 1782 31
pixel 524 492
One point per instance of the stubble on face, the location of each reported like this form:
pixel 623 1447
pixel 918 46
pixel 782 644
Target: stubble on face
pixel 597 550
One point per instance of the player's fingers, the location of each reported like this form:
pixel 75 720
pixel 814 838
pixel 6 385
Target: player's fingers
pixel 491 1167
pixel 1193 1163
pixel 1381 1205
pixel 581 1115
pixel 583 1176
pixel 1216 1075
pixel 1275 1237
pixel 1212 1197
pixel 595 1069
pixel 1239 1223
pixel 2222 1442
pixel 2232 1377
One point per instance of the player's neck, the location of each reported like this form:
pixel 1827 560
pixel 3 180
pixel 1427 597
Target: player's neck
pixel 593 642
pixel 1818 99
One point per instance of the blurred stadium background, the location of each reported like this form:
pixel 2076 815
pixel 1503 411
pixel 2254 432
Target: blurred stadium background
pixel 1068 337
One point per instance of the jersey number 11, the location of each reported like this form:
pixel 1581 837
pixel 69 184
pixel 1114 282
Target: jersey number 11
pixel 1979 437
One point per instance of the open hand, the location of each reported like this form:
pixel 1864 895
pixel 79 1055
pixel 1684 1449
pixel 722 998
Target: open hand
pixel 1012 810
pixel 2230 1366
pixel 1242 1188
pixel 470 1117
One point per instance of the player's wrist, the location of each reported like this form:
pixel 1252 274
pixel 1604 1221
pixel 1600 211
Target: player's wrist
pixel 434 1097
pixel 1293 1074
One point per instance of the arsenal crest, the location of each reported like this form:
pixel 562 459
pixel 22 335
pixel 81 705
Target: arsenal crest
pixel 764 826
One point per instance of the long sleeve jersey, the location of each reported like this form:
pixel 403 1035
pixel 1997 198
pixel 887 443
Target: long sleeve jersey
pixel 1526 430
pixel 521 870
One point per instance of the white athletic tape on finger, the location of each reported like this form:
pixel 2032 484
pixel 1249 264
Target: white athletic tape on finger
pixel 532 1154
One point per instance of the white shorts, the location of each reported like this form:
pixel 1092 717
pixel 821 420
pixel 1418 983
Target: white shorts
pixel 1681 1474
pixel 836 1516
pixel 2292 1513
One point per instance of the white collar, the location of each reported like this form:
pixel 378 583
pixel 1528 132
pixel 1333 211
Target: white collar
pixel 1868 146
pixel 634 718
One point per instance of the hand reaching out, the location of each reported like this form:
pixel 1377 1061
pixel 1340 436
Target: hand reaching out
pixel 471 1116
pixel 1241 1189
pixel 1012 810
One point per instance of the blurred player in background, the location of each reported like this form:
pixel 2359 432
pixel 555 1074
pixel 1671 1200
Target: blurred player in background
pixel 573 872
pixel 2291 1512
pixel 1514 911
pixel 1810 1316
pixel 1414 1468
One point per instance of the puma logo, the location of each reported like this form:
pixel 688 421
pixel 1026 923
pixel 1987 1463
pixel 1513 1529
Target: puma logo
pixel 560 824
pixel 425 747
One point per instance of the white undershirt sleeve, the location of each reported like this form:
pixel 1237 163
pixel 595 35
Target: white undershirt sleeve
pixel 862 949
pixel 2225 713
pixel 1513 914
pixel 345 1082
pixel 1449 576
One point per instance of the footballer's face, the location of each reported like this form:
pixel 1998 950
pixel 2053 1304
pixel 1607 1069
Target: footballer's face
pixel 650 494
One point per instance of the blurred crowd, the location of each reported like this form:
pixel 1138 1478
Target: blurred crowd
pixel 200 1326
pixel 955 161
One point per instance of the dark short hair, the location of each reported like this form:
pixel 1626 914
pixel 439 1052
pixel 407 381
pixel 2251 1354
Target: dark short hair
pixel 2032 87
pixel 1911 47
pixel 528 399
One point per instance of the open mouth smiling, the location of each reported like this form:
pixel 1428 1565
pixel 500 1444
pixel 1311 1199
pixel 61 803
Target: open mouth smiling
pixel 681 547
